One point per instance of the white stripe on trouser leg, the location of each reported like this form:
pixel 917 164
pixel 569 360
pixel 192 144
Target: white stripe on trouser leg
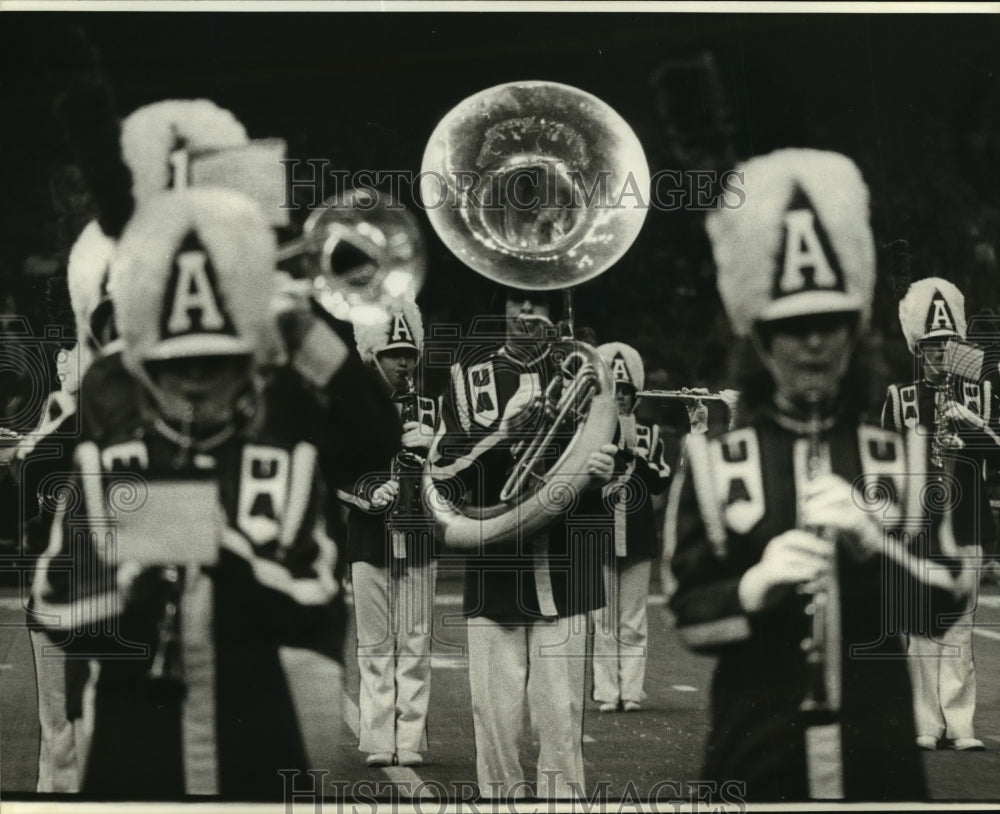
pixel 556 676
pixel 415 599
pixel 621 524
pixel 498 675
pixel 543 576
pixel 57 758
pixel 375 652
pixel 198 725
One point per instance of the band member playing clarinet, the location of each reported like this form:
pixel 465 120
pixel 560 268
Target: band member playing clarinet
pixel 786 530
pixel 960 418
pixel 390 541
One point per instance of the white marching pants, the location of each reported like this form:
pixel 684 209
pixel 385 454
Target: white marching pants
pixel 944 680
pixel 621 633
pixel 393 607
pixel 541 664
pixel 63 744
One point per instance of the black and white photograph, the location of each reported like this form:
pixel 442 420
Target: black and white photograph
pixel 499 407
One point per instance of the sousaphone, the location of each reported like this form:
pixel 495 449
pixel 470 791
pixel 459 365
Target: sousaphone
pixel 539 186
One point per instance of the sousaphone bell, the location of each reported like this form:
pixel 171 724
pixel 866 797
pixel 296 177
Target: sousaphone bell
pixel 539 186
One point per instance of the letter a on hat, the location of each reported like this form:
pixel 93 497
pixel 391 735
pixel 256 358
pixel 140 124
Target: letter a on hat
pixel 939 316
pixel 192 302
pixel 400 330
pixel 807 261
pixel 620 370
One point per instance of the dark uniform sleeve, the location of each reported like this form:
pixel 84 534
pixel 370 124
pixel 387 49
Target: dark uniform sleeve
pixel 360 426
pixel 364 427
pixel 705 603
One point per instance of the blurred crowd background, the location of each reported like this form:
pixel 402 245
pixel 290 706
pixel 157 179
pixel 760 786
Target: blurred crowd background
pixel 912 99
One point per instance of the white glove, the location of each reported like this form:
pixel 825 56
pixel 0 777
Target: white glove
pixel 9 443
pixel 416 435
pixel 960 414
pixel 601 462
pixel 829 502
pixel 385 494
pixel 795 557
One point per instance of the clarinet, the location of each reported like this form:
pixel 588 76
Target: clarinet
pixel 166 669
pixel 946 439
pixel 816 700
pixel 407 465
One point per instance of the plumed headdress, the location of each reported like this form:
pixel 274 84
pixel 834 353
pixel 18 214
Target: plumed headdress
pixel 193 276
pixel 799 244
pixel 399 326
pixel 931 308
pixel 624 362
pixel 193 142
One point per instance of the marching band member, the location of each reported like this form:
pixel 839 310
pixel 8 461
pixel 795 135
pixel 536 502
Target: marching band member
pixel 781 558
pixel 957 414
pixel 526 601
pixel 27 484
pixel 390 548
pixel 621 626
pixel 220 568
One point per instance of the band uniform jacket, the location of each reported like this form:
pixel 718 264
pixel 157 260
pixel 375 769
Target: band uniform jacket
pixel 914 405
pixel 640 472
pixel 757 731
pixel 558 573
pixel 222 721
pixel 401 532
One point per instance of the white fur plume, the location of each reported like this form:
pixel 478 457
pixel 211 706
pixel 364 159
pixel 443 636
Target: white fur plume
pixel 747 240
pixel 151 133
pixel 89 260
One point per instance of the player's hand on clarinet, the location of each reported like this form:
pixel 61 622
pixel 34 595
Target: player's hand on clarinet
pixel 962 416
pixel 829 502
pixel 414 436
pixel 385 494
pixel 793 558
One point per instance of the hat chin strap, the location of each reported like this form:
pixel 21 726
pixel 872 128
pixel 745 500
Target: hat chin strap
pixel 375 364
pixel 180 427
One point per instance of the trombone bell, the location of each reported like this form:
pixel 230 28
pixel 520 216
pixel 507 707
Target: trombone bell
pixel 535 185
